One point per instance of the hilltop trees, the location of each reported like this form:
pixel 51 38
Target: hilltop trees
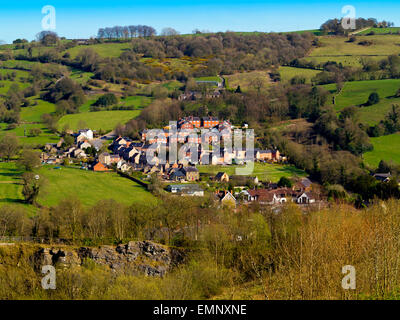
pixel 47 38
pixel 335 25
pixel 169 32
pixel 126 32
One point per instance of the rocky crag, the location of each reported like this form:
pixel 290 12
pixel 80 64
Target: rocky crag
pixel 136 257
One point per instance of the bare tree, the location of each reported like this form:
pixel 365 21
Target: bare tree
pixel 169 32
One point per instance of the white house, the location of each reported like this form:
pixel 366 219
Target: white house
pixel 84 135
pixel 84 145
pixel 305 198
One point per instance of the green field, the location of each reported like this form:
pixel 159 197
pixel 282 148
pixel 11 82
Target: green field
pixel 264 171
pixel 90 187
pixel 136 101
pixel 80 76
pixel 316 32
pixel 246 79
pixel 10 187
pixel 6 84
pixel 385 148
pixel 215 78
pixel 101 120
pixel 383 45
pixel 336 48
pixel 381 31
pixel 22 132
pixel 287 73
pixel 347 61
pixel 104 49
pixel 34 113
pixel 20 64
pixel 357 92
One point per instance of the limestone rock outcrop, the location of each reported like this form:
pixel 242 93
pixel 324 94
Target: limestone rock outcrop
pixel 135 257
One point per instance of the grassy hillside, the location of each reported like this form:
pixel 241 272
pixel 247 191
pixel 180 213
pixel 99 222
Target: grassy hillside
pixel 104 49
pixel 287 73
pixel 385 148
pixel 357 92
pixel 35 112
pixel 349 54
pixel 22 132
pixel 245 80
pixel 89 187
pixel 338 46
pixel 391 30
pixel 102 120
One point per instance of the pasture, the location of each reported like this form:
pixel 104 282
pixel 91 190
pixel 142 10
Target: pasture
pixel 34 112
pixel 211 78
pixel 138 102
pixel 101 120
pixel 385 148
pixel 357 92
pixel 112 50
pixel 392 30
pixel 264 171
pixel 287 73
pixel 382 45
pixel 90 187
pixel 347 61
pixel 22 132
pixel 11 188
pixel 246 80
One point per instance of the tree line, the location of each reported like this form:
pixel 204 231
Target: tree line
pixel 126 32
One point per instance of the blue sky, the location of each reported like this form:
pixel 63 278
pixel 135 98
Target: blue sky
pixel 81 19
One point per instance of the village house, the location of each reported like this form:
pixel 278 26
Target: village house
pixel 60 143
pixel 105 158
pixel 209 122
pixel 383 177
pixel 84 145
pixel 278 196
pixel 79 153
pixel 226 198
pixel 306 198
pixel 191 173
pixel 99 167
pixel 303 185
pixel 83 135
pixel 221 177
pixel 176 174
pixel 51 148
pixel 194 121
pixel 267 155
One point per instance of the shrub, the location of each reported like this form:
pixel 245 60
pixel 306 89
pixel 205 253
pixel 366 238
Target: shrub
pixel 373 99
